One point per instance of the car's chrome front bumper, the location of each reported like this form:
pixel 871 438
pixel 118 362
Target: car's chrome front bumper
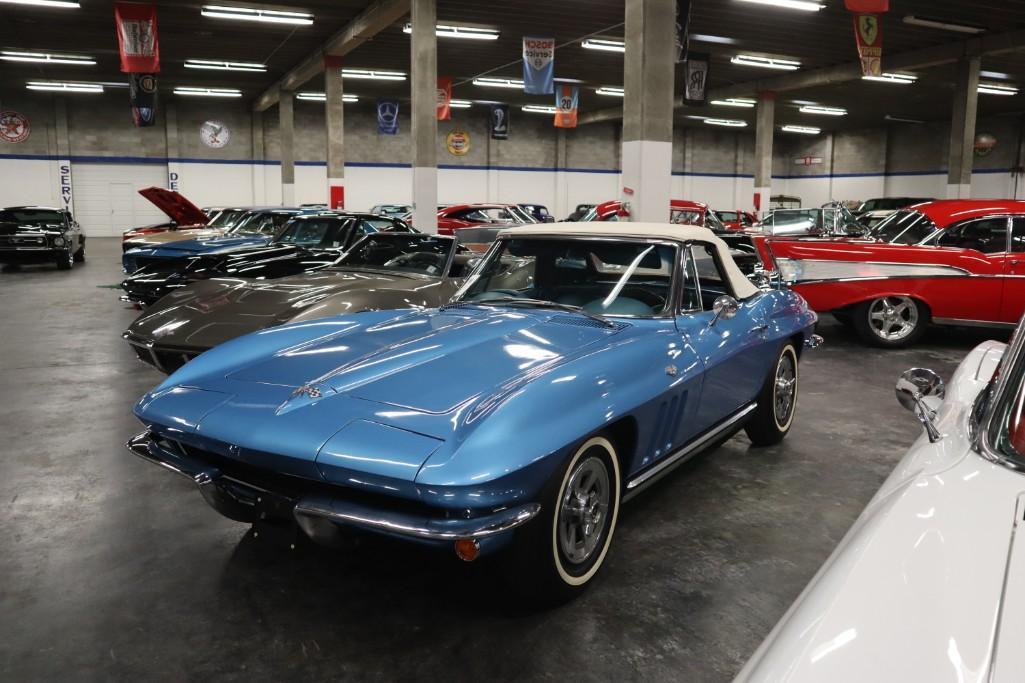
pixel 320 515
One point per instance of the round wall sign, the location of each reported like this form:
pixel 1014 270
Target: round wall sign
pixel 13 126
pixel 458 142
pixel 984 144
pixel 214 134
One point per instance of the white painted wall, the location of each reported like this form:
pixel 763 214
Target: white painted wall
pixel 28 182
pixel 106 198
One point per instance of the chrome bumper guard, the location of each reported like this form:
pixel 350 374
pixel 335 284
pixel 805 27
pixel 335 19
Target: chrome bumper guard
pixel 814 341
pixel 318 515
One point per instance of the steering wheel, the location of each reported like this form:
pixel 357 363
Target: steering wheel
pixel 418 260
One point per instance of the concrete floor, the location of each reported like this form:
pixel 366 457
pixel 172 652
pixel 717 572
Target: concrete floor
pixel 112 569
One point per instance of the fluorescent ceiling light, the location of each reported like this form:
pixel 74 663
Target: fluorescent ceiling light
pixel 373 75
pixel 218 65
pixel 460 104
pixel 892 78
pixel 66 4
pixel 995 74
pixel 825 111
pixel 743 102
pixel 932 22
pixel 604 44
pixel 997 89
pixel 718 40
pixel 58 86
pixel 208 92
pixel 805 130
pixel 805 5
pixel 271 16
pixel 449 31
pixel 611 91
pixel 311 96
pixel 767 62
pixel 46 58
pixel 730 123
pixel 538 109
pixel 498 82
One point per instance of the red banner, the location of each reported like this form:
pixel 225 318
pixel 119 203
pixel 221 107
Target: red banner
pixel 444 98
pixel 137 37
pixel 868 32
pixel 867 6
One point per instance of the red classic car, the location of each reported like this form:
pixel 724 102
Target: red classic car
pixel 459 216
pixel 737 219
pixel 681 211
pixel 956 262
pixel 183 213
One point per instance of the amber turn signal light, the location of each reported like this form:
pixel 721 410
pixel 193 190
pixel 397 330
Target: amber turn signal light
pixel 467 549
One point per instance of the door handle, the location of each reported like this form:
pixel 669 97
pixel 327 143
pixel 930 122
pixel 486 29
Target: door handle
pixel 758 329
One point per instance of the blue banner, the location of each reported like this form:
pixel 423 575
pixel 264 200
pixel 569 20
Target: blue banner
pixel 388 117
pixel 538 65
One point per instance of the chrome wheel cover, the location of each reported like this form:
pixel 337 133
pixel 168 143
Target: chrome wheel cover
pixel 584 510
pixel 893 318
pixel 784 389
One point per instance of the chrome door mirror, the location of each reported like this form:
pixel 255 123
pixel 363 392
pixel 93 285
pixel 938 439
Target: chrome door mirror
pixel 921 390
pixel 723 308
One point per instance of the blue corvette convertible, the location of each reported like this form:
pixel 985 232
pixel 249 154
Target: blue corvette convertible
pixel 575 366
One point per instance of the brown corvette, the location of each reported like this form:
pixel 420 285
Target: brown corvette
pixel 381 271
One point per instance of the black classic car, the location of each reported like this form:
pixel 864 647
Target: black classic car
pixel 37 234
pixel 305 244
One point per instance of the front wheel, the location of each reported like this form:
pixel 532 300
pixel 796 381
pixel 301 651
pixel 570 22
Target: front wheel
pixel 556 556
pixel 777 401
pixel 65 259
pixel 80 254
pixel 891 321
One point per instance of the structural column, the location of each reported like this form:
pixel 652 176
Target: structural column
pixel 424 85
pixel 648 73
pixel 765 123
pixel 962 128
pixel 259 168
pixel 286 136
pixel 172 152
pixel 561 207
pixel 334 117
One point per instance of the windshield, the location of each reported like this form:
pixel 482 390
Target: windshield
pixel 686 216
pixel 422 254
pixel 225 218
pixel 904 227
pixel 261 223
pixel 794 220
pixel 312 232
pixel 627 277
pixel 391 209
pixel 887 204
pixel 727 216
pixel 37 217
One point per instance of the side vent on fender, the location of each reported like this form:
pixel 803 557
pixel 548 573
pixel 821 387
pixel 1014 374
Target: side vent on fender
pixel 667 426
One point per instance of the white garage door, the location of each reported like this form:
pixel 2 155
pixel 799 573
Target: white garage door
pixel 107 201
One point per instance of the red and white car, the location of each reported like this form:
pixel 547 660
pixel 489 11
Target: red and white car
pixel 458 216
pixel 183 213
pixel 737 219
pixel 955 262
pixel 681 211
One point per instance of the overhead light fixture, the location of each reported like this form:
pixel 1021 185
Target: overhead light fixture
pixel 804 130
pixel 271 16
pixel 65 4
pixel 373 75
pixel 310 96
pixel 207 92
pixel 460 104
pixel 824 111
pixel 499 82
pixel 717 40
pixel 58 86
pixel 767 62
pixel 997 89
pixel 742 102
pixel 611 91
pixel 901 119
pixel 933 22
pixel 892 78
pixel 218 65
pixel 805 5
pixel 45 58
pixel 604 44
pixel 729 123
pixel 449 31
pixel 995 74
pixel 538 109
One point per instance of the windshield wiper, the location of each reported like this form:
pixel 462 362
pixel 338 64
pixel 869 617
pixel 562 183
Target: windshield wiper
pixel 534 303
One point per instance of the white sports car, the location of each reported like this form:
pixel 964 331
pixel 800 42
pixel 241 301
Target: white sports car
pixel 929 583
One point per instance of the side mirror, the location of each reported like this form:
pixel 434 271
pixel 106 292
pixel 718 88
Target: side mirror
pixel 724 308
pixel 921 390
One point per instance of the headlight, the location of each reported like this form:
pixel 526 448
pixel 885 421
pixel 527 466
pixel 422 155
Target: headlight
pixel 789 270
pixel 58 241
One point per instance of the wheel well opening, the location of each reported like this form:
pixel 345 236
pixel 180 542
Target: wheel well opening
pixel 623 435
pixel 798 341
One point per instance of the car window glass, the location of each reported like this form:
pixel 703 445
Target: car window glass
pixel 904 227
pixel 38 217
pixel 711 282
pixel 410 253
pixel 1018 235
pixel 728 216
pixel 988 235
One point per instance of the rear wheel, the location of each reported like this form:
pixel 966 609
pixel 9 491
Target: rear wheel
pixel 65 259
pixel 777 401
pixel 891 321
pixel 554 557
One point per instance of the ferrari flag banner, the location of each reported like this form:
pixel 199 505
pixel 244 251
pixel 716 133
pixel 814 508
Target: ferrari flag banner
pixel 499 122
pixel 538 65
pixel 137 37
pixel 388 117
pixel 566 97
pixel 868 32
pixel 444 98
pixel 142 94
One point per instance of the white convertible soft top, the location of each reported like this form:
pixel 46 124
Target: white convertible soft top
pixel 742 287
